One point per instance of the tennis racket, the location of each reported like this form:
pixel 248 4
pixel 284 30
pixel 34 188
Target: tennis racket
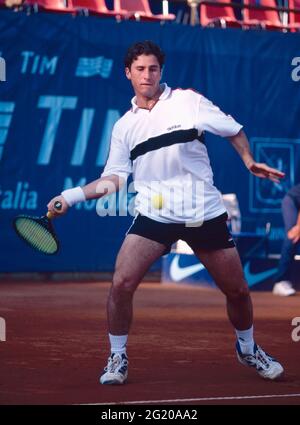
pixel 38 232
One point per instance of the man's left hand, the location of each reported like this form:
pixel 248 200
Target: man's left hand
pixel 265 172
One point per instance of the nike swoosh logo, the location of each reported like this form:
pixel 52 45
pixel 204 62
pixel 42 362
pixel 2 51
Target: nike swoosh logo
pixel 178 273
pixel 254 278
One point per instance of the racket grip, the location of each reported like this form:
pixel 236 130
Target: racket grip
pixel 57 206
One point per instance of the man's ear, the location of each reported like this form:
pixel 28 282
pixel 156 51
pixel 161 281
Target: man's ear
pixel 128 73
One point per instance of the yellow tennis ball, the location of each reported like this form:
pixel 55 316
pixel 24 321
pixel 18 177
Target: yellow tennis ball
pixel 157 201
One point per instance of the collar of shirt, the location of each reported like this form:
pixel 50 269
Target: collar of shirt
pixel 165 94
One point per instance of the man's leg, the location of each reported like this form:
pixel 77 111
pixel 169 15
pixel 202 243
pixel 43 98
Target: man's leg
pixel 135 257
pixel 288 250
pixel 225 267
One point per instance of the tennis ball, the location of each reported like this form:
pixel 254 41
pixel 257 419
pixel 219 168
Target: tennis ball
pixel 157 201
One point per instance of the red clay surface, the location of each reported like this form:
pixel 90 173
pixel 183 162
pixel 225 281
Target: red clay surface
pixel 181 348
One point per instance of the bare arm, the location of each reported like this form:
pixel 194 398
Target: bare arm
pixel 102 186
pixel 94 190
pixel 241 144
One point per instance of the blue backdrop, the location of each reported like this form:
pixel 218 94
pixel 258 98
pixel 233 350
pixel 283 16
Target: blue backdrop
pixel 65 87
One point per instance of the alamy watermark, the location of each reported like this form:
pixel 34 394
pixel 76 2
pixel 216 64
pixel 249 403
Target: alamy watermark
pixel 2 330
pixel 295 74
pixel 153 198
pixel 296 331
pixel 2 69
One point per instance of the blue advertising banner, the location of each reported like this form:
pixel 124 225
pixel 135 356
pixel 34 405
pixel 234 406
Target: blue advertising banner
pixel 186 269
pixel 62 87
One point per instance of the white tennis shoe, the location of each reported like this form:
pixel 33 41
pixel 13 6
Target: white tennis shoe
pixel 266 366
pixel 284 288
pixel 116 370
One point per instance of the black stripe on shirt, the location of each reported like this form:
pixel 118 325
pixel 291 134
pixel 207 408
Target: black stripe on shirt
pixel 163 140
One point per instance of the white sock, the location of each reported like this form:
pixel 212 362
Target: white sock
pixel 118 343
pixel 246 340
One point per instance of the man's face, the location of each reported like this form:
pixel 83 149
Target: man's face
pixel 145 75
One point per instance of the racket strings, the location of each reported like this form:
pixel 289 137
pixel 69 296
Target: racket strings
pixel 37 235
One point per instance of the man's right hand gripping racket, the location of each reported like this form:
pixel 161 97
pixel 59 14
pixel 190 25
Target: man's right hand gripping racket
pixel 38 232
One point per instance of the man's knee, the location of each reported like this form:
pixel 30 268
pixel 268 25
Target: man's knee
pixel 240 292
pixel 123 283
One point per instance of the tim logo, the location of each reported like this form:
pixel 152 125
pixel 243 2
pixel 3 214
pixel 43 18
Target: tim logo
pixel 264 195
pixel 296 330
pixel 2 330
pixel 2 69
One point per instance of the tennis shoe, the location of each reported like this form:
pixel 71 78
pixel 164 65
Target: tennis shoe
pixel 284 288
pixel 116 370
pixel 266 366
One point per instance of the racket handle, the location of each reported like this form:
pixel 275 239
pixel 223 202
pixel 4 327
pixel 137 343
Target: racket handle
pixel 57 206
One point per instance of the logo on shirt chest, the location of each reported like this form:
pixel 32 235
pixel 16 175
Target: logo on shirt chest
pixel 173 127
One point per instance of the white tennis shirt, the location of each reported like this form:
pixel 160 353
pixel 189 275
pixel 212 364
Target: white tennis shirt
pixel 164 150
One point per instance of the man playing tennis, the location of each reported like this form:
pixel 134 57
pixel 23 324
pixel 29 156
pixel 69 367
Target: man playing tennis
pixel 161 140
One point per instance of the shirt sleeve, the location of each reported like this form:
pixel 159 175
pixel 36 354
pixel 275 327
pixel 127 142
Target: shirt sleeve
pixel 211 118
pixel 118 161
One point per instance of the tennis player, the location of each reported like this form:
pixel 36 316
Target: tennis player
pixel 290 207
pixel 161 140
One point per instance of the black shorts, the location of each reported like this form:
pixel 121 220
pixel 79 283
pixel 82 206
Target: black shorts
pixel 212 234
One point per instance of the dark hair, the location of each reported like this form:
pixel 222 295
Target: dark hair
pixel 146 47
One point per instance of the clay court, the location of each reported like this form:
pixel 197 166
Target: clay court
pixel 181 348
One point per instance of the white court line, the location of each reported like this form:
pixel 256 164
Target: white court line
pixel 183 400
